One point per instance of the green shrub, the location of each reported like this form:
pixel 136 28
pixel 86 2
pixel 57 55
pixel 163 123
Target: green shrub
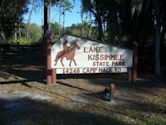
pixel 21 41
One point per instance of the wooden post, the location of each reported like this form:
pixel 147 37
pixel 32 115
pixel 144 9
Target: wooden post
pixel 129 70
pixel 112 92
pixel 50 73
pixel 53 76
pixel 135 62
pixel 49 70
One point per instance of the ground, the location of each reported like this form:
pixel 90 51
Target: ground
pixel 25 99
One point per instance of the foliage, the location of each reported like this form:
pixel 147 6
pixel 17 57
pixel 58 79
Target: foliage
pixel 94 7
pixel 83 29
pixel 66 4
pixel 10 15
pixel 35 32
pixel 74 29
pixel 35 36
pixel 21 41
pixel 55 28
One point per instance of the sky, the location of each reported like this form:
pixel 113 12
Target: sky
pixel 70 17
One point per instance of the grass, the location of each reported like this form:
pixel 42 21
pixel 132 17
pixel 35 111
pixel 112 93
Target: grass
pixel 139 107
pixel 75 101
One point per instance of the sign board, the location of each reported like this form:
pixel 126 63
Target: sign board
pixel 74 55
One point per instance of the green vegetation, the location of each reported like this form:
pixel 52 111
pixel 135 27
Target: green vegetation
pixel 35 36
pixel 11 13
pixel 35 33
pixel 20 41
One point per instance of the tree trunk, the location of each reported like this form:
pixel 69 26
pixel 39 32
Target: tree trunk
pixel 157 51
pixel 45 18
pixel 63 20
pixel 15 34
pixel 162 46
pixel 29 19
pixel 49 16
pixel 100 28
pixel 163 33
pixel 120 43
pixel 99 22
pixel 15 31
pixel 19 31
pixel 82 21
pixel 2 35
pixel 157 41
pixel 60 13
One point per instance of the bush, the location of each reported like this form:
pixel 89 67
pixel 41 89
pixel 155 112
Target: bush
pixel 21 41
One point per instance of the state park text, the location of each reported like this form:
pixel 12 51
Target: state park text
pixel 99 58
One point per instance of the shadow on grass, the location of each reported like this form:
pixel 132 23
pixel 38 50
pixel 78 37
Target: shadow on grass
pixel 29 75
pixel 20 65
pixel 26 75
pixel 26 111
pixel 141 86
pixel 144 106
pixel 93 76
pixel 24 58
pixel 71 86
pixel 22 82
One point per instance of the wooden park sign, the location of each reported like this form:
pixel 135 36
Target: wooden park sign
pixel 76 55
